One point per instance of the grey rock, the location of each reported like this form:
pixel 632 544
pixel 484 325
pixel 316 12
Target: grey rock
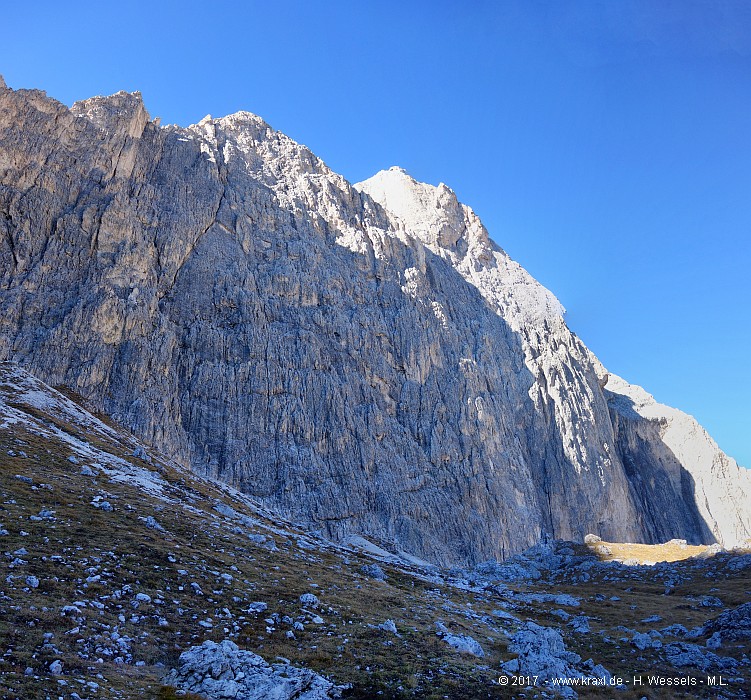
pixel 374 571
pixel 739 563
pixel 580 624
pixel 732 625
pixel 364 359
pixel 388 626
pixel 152 523
pixel 552 598
pixel 44 514
pixel 102 505
pixel 682 654
pixel 711 551
pixel 222 670
pixel 257 607
pixel 541 652
pixel 309 599
pixel 140 453
pixel 642 641
pixel 463 643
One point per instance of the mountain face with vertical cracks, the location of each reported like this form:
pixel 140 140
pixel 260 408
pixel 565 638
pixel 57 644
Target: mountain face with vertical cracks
pixel 363 359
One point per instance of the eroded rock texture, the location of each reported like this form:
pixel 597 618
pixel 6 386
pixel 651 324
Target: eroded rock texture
pixel 364 359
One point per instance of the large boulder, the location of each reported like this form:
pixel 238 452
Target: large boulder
pixel 542 652
pixel 223 671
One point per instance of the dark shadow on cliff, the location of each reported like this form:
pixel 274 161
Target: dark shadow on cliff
pixel 663 489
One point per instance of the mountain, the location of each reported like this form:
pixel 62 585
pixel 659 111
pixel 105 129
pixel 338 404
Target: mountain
pixel 123 575
pixel 362 359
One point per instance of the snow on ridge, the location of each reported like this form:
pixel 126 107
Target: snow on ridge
pixel 26 389
pixel 37 394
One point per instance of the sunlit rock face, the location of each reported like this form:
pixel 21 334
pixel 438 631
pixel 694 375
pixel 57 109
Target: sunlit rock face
pixel 362 358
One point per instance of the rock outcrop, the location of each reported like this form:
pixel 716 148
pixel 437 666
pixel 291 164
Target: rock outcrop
pixel 363 359
pixel 223 670
pixel 541 652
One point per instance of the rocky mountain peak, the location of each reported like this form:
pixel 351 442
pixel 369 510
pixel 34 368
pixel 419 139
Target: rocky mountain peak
pixel 121 111
pixel 432 213
pixel 364 360
pixel 454 232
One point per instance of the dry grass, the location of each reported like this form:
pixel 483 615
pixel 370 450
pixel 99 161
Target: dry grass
pixel 645 553
pixel 202 544
pixel 349 646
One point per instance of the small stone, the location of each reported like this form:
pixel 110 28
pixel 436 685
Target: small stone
pixel 388 626
pixel 140 453
pixel 652 618
pixel 710 601
pixel 580 624
pixel 310 600
pixel 373 571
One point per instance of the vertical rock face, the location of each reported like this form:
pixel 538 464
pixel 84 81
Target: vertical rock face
pixel 666 451
pixel 362 358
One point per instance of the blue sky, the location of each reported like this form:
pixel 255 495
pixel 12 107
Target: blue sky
pixel 604 144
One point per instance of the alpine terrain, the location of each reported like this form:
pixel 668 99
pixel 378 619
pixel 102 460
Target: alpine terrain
pixel 267 434
pixel 361 358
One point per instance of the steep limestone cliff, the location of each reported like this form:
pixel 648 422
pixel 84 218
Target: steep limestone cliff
pixel 364 359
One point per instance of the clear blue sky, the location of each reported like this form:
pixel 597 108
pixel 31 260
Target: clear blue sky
pixel 606 145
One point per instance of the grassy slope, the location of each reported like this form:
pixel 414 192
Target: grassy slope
pixel 99 560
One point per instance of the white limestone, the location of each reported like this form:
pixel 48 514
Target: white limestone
pixel 363 360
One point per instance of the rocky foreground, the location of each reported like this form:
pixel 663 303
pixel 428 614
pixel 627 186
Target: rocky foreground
pixel 124 575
